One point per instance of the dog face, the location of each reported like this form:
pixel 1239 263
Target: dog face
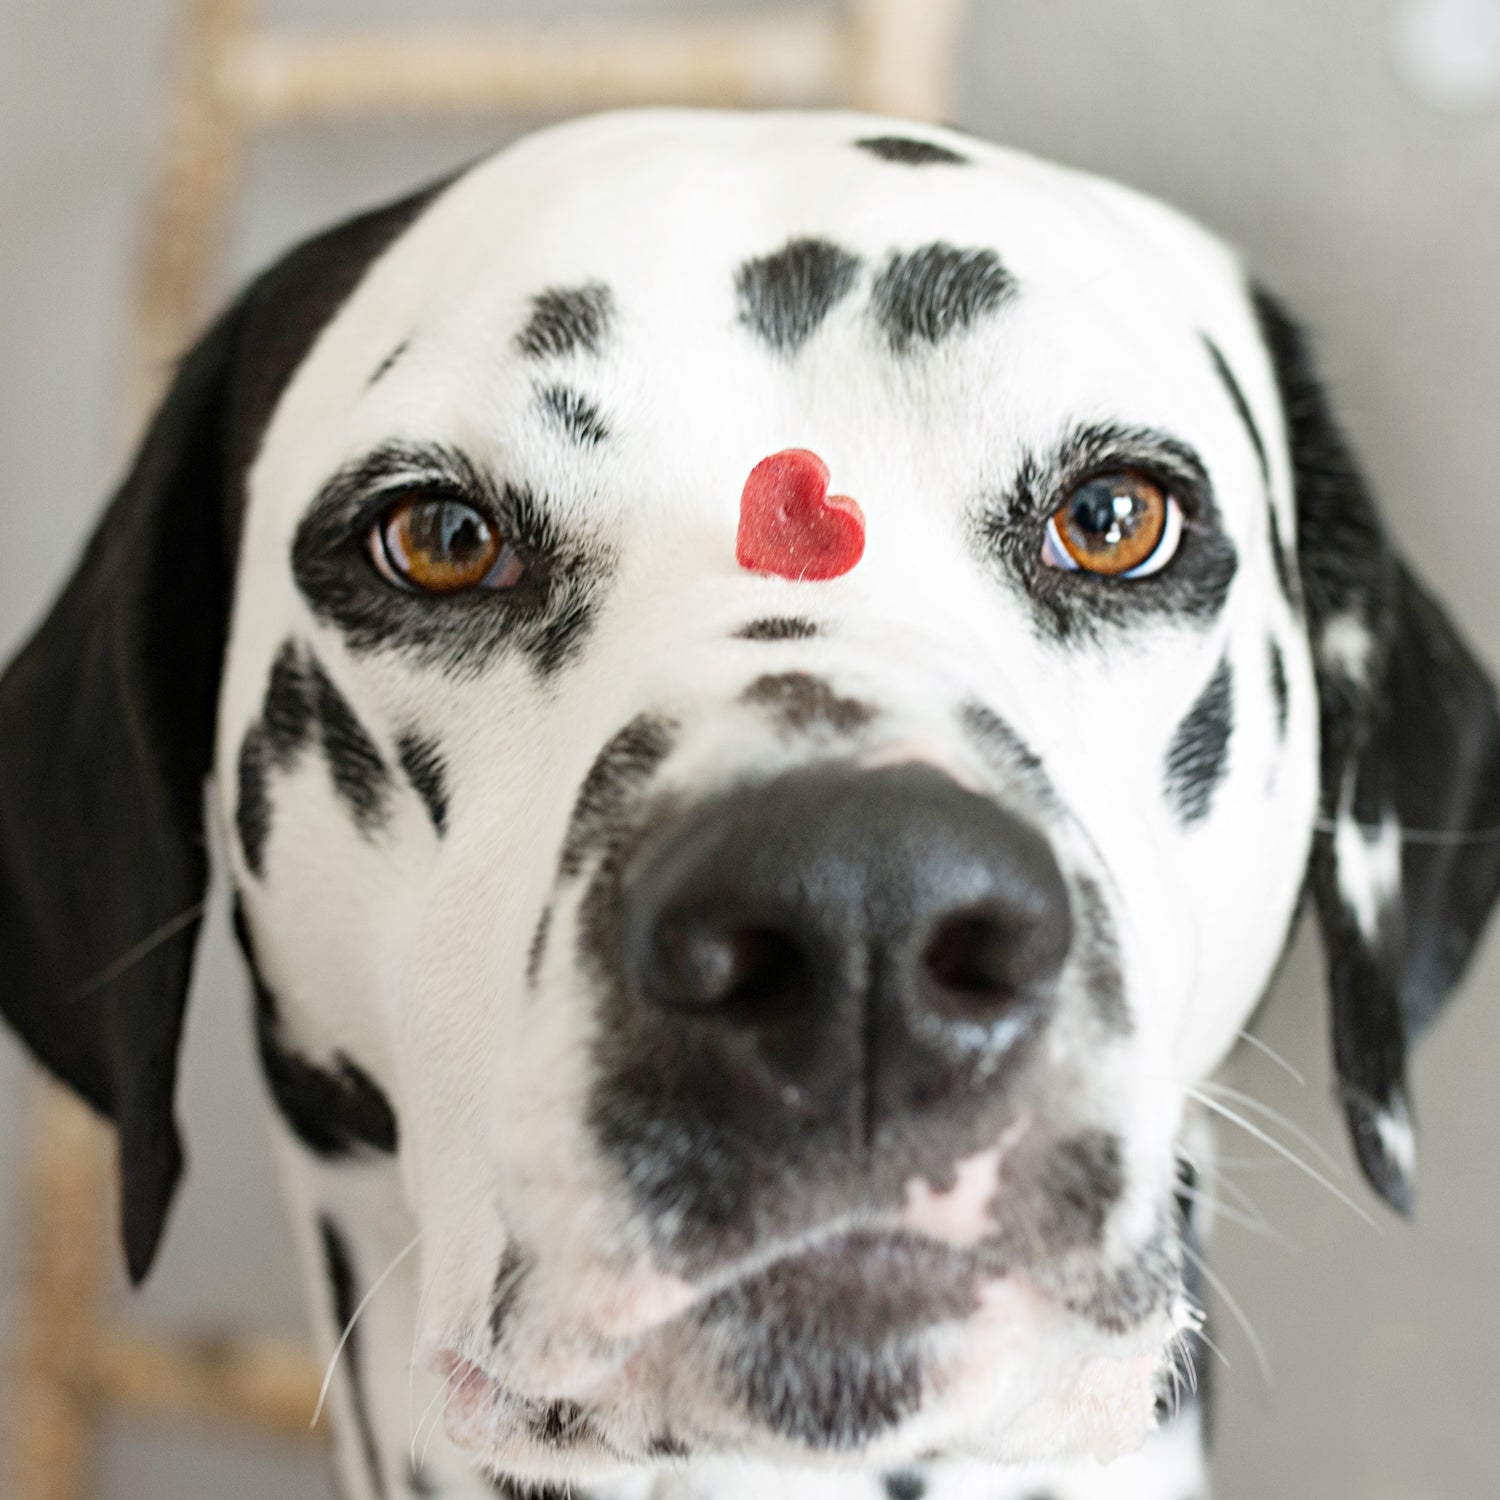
pixel 780 995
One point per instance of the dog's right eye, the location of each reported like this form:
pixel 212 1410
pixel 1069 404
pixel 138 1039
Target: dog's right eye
pixel 439 544
pixel 1121 525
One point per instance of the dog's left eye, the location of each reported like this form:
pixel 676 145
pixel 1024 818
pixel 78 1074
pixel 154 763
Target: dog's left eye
pixel 439 544
pixel 1120 525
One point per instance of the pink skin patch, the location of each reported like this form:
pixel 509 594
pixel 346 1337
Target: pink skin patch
pixel 791 526
pixel 959 1215
pixel 962 1214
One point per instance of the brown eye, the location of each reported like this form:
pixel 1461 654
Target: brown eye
pixel 441 545
pixel 1121 525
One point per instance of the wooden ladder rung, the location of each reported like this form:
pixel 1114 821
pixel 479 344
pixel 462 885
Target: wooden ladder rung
pixel 237 1380
pixel 280 78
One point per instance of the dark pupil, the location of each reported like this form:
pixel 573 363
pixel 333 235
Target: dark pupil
pixel 450 531
pixel 1103 514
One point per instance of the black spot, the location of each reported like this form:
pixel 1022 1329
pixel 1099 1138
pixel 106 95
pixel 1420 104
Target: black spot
pixel 566 320
pixel 354 764
pixel 272 743
pixel 1011 529
pixel 575 414
pixel 1099 957
pixel 1079 1182
pixel 537 949
pixel 340 1272
pixel 778 628
pixel 418 1483
pixel 619 770
pixel 385 365
pixel 785 296
pixel 928 294
pixel 514 1267
pixel 906 1485
pixel 1198 755
pixel 425 769
pixel 1286 574
pixel 562 1424
pixel 1007 754
pixel 544 616
pixel 665 1445
pixel 800 702
pixel 252 807
pixel 1242 406
pixel 1279 692
pixel 910 152
pixel 287 710
pixel 335 1111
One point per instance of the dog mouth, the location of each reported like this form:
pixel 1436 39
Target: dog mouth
pixel 833 1347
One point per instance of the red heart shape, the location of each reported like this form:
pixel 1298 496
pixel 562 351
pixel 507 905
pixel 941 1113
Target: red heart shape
pixel 791 526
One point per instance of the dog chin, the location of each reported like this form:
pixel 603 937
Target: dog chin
pixel 868 1350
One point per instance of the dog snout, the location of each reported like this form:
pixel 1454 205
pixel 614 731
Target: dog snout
pixel 839 929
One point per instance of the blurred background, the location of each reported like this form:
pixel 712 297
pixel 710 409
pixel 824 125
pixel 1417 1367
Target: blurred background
pixel 1352 148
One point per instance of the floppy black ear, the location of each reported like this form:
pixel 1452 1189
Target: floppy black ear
pixel 106 736
pixel 107 726
pixel 1406 860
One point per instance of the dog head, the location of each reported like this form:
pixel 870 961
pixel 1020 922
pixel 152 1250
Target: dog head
pixel 780 994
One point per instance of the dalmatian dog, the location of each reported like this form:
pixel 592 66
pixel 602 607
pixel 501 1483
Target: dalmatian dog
pixel 774 685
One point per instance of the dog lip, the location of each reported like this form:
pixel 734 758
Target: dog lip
pixel 472 1397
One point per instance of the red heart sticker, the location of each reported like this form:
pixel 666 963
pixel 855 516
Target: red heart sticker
pixel 791 526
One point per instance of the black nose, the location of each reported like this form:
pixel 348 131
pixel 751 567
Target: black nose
pixel 800 924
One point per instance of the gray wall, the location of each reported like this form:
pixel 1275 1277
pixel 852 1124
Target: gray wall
pixel 1281 123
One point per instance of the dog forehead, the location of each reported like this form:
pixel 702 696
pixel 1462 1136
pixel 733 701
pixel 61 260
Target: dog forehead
pixel 656 225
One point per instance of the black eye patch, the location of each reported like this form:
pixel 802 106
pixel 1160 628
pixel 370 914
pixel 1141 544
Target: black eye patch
pixel 923 297
pixel 1009 530
pixel 544 617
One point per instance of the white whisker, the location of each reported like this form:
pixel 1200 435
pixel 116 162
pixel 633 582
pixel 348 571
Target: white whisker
pixel 1225 1296
pixel 1247 1204
pixel 364 1302
pixel 1290 1126
pixel 1209 1102
pixel 1269 1051
pixel 438 1420
pixel 1256 1224
pixel 453 1374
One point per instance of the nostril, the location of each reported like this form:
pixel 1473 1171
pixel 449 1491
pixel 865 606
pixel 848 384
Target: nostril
pixel 980 963
pixel 746 967
pixel 967 956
